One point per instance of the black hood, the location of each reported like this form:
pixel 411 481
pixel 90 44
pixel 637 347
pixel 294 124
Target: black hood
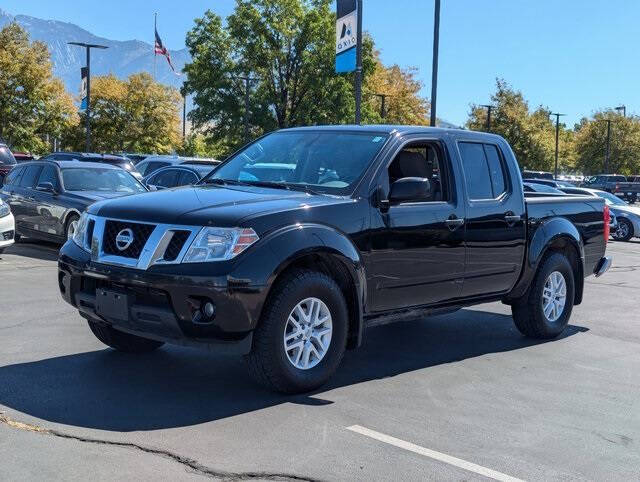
pixel 208 205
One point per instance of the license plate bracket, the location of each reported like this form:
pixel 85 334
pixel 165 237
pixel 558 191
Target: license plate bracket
pixel 112 304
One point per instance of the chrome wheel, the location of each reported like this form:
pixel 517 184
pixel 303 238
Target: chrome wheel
pixel 71 228
pixel 554 296
pixel 623 230
pixel 307 333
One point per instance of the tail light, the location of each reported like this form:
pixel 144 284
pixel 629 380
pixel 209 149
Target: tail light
pixel 617 188
pixel 607 219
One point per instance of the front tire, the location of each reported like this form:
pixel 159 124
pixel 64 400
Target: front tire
pixel 302 335
pixel 624 232
pixel 543 313
pixel 121 341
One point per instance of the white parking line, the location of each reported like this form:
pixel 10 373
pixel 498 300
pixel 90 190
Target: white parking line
pixel 447 459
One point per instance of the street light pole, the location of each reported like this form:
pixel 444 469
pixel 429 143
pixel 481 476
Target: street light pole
pixel 489 108
pixel 383 105
pixel 622 108
pixel 184 116
pixel 555 174
pixel 88 47
pixel 606 158
pixel 434 67
pixel 247 82
pixel 359 65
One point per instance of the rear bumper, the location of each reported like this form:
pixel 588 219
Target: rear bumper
pixel 602 266
pixel 7 230
pixel 161 306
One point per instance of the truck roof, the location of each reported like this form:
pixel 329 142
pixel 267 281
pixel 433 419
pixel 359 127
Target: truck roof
pixel 391 129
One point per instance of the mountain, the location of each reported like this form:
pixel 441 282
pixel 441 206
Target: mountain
pixel 122 58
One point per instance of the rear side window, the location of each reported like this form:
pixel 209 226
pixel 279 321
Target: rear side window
pixel 166 178
pixel 483 170
pixel 13 176
pixel 187 177
pixel 30 175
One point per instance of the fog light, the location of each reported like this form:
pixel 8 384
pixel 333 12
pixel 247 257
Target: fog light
pixel 208 310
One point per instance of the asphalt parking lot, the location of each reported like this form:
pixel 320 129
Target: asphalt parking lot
pixel 456 397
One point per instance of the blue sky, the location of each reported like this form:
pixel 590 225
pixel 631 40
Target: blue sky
pixel 574 56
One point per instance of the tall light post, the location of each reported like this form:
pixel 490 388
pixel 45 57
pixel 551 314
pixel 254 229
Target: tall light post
pixel 489 109
pixel 383 104
pixel 434 67
pixel 359 65
pixel 88 47
pixel 247 84
pixel 622 108
pixel 555 174
pixel 606 157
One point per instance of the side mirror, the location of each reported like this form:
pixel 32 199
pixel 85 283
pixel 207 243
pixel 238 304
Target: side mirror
pixel 46 187
pixel 151 187
pixel 410 189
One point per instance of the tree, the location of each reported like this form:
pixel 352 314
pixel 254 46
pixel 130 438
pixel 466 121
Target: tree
pixel 33 104
pixel 403 104
pixel 591 144
pixel 287 46
pixel 137 115
pixel 531 134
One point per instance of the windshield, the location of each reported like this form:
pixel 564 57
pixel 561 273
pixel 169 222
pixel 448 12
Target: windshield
pixel 325 161
pixel 611 199
pixel 96 179
pixel 6 157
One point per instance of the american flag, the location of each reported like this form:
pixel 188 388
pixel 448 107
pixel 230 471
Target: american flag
pixel 162 50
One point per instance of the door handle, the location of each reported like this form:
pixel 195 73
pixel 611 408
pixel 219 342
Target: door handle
pixel 511 218
pixel 454 223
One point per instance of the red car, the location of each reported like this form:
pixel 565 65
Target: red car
pixel 22 156
pixel 7 161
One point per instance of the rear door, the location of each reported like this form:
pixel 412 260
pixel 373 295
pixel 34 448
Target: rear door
pixel 24 195
pixel 495 218
pixel 50 214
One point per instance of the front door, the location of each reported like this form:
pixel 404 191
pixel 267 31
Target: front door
pixel 417 251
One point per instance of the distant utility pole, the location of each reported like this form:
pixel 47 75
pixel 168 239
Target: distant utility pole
pixel 555 174
pixel 434 67
pixel 489 108
pixel 622 108
pixel 184 116
pixel 383 105
pixel 606 157
pixel 359 65
pixel 88 47
pixel 247 83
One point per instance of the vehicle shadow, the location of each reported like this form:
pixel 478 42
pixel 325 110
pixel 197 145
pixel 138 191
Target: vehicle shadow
pixel 28 248
pixel 176 387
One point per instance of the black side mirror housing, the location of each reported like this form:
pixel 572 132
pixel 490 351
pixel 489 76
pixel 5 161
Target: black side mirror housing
pixel 46 187
pixel 408 189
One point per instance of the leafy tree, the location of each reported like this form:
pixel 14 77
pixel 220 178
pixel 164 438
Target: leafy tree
pixel 531 134
pixel 137 114
pixel 591 144
pixel 33 104
pixel 288 47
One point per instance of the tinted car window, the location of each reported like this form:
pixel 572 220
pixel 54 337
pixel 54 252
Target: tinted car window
pixel 496 170
pixel 6 157
pixel 476 170
pixel 186 178
pixel 13 176
pixel 49 174
pixel 152 166
pixel 96 179
pixel 30 175
pixel 167 178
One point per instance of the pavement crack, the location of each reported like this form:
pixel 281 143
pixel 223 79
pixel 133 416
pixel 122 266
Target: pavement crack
pixel 189 463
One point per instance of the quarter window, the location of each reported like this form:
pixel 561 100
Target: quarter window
pixel 30 175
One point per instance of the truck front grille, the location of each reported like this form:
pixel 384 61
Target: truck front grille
pixel 141 233
pixel 176 244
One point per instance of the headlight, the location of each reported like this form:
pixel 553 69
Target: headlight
pixel 219 244
pixel 4 209
pixel 81 231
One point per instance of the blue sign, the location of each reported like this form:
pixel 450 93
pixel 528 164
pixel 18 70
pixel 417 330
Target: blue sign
pixel 346 36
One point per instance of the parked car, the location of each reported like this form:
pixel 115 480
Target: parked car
pixel 121 162
pixel 583 191
pixel 23 156
pixel 135 158
pixel 367 225
pixel 7 161
pixel 536 175
pixel 552 183
pixel 614 184
pixel 153 163
pixel 7 226
pixel 47 197
pixel 540 188
pixel 179 175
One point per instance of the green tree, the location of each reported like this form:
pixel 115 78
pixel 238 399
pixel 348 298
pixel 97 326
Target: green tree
pixel 33 104
pixel 287 46
pixel 531 134
pixel 591 144
pixel 137 114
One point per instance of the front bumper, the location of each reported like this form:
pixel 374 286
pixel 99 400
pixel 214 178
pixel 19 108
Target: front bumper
pixel 162 303
pixel 7 230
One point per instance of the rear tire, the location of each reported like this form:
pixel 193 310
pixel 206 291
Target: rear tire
pixel 121 341
pixel 529 312
pixel 624 232
pixel 284 370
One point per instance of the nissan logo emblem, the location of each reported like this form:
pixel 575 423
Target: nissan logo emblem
pixel 124 239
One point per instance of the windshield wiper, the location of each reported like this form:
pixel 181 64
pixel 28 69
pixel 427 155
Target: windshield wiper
pixel 222 182
pixel 273 184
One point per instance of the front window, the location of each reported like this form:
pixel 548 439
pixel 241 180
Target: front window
pixel 96 179
pixel 611 199
pixel 324 161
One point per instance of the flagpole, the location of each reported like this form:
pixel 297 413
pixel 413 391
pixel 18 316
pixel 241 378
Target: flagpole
pixel 155 29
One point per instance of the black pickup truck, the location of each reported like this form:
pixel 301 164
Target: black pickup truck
pixel 289 249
